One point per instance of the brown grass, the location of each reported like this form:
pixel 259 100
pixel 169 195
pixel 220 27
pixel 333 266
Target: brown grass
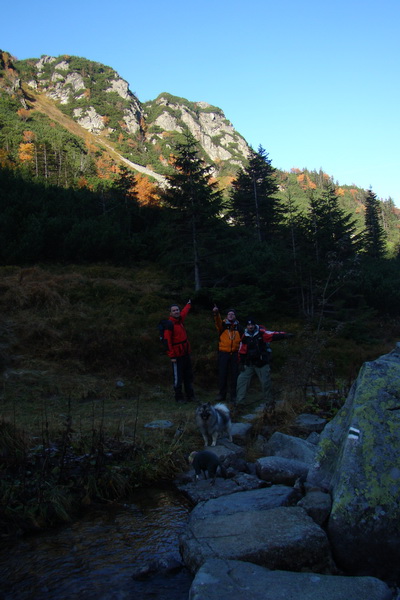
pixel 70 335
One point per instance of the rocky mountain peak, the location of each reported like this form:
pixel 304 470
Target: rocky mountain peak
pixel 205 122
pixel 97 98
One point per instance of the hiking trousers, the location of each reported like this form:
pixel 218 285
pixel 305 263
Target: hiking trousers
pixel 244 379
pixel 228 369
pixel 182 373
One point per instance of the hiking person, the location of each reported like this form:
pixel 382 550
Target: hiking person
pixel 254 357
pixel 178 349
pixel 230 332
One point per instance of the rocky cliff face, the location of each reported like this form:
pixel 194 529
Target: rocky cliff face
pixel 90 91
pixel 207 124
pixel 97 98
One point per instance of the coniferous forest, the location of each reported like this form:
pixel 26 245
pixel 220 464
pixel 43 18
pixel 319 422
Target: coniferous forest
pixel 246 243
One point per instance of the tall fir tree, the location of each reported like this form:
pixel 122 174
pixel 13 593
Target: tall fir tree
pixel 329 229
pixel 326 253
pixel 253 203
pixel 196 202
pixel 374 238
pixel 124 197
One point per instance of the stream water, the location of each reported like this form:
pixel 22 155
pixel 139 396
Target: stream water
pixel 95 557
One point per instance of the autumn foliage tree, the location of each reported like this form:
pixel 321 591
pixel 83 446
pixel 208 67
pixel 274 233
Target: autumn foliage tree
pixel 24 114
pixel 147 192
pixel 26 148
pixel 26 152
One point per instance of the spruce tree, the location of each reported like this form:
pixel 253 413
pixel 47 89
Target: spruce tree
pixel 253 203
pixel 326 258
pixel 329 229
pixel 374 239
pixel 122 200
pixel 196 202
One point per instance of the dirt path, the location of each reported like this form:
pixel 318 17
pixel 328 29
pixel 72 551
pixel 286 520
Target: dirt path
pixel 46 106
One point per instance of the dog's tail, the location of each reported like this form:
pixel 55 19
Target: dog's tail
pixel 222 408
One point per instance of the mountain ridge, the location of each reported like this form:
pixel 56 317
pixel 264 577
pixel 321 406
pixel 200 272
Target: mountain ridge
pixel 99 100
pixel 92 102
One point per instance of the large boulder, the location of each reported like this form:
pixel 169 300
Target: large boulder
pixel 241 433
pixel 305 424
pixel 206 489
pixel 277 469
pixel 261 499
pixel 278 538
pixel 317 504
pixel 228 452
pixel 358 462
pixel 235 580
pixel 291 447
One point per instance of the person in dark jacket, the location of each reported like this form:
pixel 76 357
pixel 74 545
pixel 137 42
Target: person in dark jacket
pixel 254 357
pixel 179 352
pixel 230 332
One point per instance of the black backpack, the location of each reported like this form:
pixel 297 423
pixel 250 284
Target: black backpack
pixel 162 326
pixel 259 352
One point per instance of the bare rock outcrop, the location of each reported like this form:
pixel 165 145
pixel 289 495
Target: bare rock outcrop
pixel 278 538
pixel 219 579
pixel 357 462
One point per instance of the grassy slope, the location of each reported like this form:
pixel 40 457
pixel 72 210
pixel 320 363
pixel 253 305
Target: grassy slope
pixel 83 374
pixel 72 333
pixel 45 105
pixel 69 336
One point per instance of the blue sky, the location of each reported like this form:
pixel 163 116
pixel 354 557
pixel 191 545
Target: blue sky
pixel 316 84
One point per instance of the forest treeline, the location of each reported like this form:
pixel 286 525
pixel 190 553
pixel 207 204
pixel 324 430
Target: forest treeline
pixel 252 243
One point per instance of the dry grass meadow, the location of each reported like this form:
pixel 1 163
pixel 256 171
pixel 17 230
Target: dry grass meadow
pixel 83 374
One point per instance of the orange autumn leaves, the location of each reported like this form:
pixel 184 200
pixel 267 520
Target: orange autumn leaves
pixel 106 168
pixel 306 182
pixel 26 150
pixel 145 191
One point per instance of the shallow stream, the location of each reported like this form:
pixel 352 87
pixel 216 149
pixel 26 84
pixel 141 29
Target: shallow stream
pixel 95 557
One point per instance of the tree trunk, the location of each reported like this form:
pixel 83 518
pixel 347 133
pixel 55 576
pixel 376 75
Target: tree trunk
pixel 196 259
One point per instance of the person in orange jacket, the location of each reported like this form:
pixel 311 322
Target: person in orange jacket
pixel 178 349
pixel 230 332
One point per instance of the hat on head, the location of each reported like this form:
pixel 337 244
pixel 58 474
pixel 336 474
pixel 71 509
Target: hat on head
pixel 251 321
pixel 231 310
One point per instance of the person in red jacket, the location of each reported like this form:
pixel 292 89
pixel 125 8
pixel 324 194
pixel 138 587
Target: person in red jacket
pixel 254 356
pixel 179 352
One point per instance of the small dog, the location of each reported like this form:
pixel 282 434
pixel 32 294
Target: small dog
pixel 208 463
pixel 213 421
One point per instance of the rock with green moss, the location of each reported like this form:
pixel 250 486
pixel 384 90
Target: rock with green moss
pixel 358 462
